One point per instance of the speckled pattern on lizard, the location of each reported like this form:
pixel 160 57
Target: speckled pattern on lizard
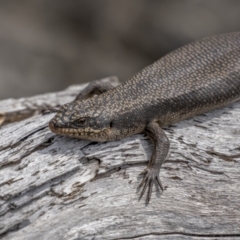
pixel 193 79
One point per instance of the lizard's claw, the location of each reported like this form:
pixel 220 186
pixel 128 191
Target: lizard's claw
pixel 150 175
pixel 50 110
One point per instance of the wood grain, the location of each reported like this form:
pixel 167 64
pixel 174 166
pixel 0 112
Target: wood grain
pixel 54 187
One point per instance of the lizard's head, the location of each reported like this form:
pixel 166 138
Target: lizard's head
pixel 83 120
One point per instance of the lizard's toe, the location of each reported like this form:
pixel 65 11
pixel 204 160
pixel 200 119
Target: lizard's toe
pixel 150 175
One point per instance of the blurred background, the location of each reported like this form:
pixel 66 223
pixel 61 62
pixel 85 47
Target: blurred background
pixel 48 45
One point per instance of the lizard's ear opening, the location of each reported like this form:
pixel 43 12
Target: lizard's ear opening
pixel 111 124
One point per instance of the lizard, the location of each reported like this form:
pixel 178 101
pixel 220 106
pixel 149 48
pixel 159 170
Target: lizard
pixel 190 80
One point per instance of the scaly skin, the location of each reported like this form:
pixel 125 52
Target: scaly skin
pixel 196 78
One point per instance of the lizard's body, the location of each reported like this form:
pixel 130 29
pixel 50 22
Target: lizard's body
pixel 193 79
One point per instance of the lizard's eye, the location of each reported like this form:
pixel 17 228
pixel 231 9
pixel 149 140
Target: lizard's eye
pixel 81 122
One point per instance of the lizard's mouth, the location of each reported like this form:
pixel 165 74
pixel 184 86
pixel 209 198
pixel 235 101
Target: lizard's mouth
pixel 82 133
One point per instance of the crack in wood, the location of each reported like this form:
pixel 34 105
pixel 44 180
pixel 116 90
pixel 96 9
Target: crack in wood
pixel 62 194
pixel 180 234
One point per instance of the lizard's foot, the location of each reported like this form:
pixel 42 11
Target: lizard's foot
pixel 150 175
pixel 50 110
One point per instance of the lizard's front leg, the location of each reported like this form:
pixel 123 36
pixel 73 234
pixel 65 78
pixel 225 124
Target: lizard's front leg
pixel 160 151
pixel 96 87
pixel 50 110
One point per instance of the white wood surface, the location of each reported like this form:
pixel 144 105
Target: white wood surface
pixel 54 187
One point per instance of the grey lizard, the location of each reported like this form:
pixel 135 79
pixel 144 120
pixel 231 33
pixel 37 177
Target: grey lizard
pixel 193 79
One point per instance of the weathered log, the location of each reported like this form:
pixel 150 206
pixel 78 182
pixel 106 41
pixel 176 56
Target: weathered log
pixel 54 187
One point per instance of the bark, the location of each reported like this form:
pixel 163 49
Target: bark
pixel 54 187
